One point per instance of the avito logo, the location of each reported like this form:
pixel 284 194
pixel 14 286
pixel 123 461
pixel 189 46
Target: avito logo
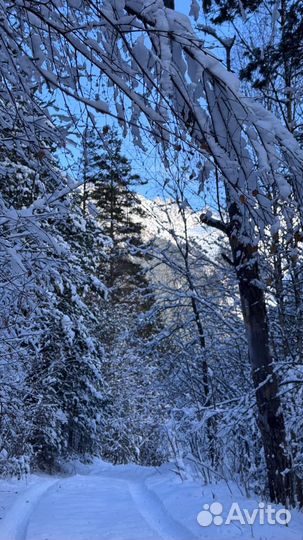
pixel 212 513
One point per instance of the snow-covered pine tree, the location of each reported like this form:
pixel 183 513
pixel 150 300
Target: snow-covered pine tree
pixel 25 270
pixel 132 431
pixel 51 357
pixel 68 396
pixel 110 185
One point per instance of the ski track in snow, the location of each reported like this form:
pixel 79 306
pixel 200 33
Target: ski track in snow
pixel 106 502
pixel 93 507
pixel 156 514
pixel 14 524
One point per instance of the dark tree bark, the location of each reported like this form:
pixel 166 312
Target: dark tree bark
pixel 169 4
pixel 283 484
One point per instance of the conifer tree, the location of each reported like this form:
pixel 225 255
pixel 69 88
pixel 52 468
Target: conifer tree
pixel 110 182
pixel 53 384
pixel 131 429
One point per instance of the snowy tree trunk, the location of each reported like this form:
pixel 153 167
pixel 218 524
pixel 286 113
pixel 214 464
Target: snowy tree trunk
pixel 284 486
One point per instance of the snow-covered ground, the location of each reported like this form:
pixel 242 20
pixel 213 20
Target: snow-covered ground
pixel 102 501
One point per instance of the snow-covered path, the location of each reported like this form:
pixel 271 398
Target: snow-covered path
pixel 101 507
pixel 122 503
pixel 106 504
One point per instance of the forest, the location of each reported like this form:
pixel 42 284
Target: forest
pixel 151 239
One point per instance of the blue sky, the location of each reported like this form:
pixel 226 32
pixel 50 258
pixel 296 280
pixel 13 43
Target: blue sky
pixel 147 164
